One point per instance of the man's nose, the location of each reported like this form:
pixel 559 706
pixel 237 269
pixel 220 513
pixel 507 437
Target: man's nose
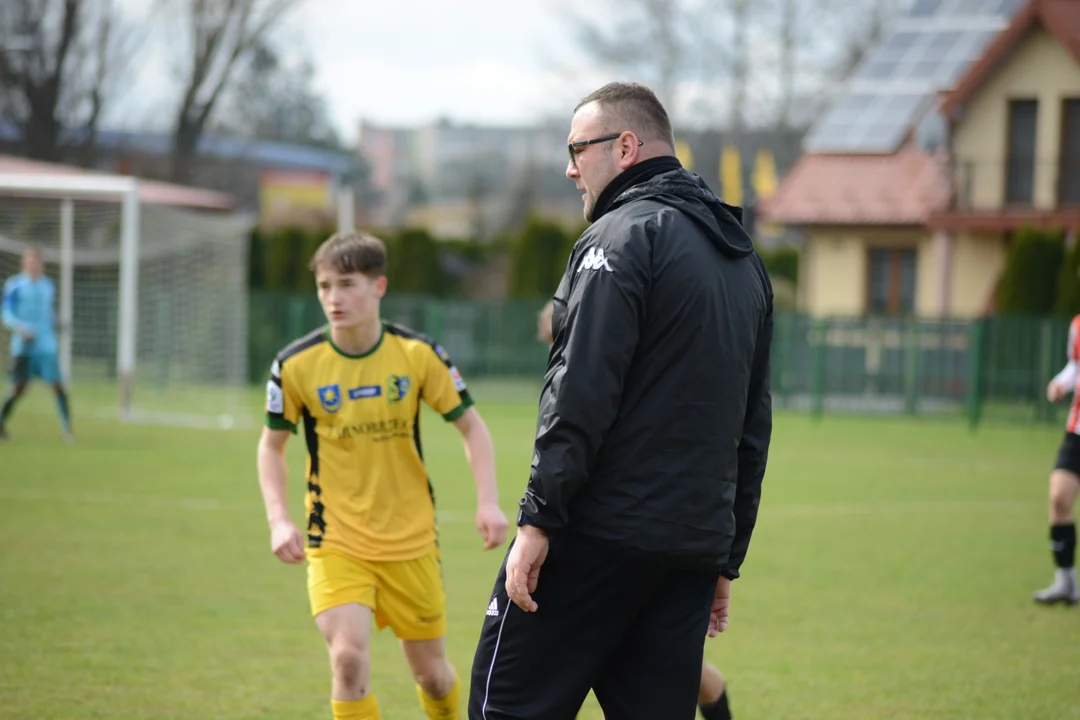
pixel 571 170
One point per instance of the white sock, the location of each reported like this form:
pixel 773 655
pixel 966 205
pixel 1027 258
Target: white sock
pixel 1066 576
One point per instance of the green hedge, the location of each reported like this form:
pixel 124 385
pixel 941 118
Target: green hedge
pixel 1029 283
pixel 1068 284
pixel 422 265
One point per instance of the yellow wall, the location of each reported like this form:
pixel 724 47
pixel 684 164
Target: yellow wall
pixel 1039 68
pixel 833 270
pixel 294 197
pixel 833 274
pixel 977 262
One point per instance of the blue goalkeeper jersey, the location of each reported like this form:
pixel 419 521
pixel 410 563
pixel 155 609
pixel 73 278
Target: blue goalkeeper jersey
pixel 28 303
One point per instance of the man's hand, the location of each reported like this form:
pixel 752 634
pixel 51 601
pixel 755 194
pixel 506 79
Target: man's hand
pixel 523 566
pixel 718 615
pixel 27 333
pixel 1055 391
pixel 287 542
pixel 492 524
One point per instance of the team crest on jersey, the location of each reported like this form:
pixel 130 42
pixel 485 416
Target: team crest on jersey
pixel 330 398
pixel 397 387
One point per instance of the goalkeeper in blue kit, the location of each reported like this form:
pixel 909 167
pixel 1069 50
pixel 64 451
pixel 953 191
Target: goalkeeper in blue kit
pixel 27 313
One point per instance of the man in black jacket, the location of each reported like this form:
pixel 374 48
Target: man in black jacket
pixel 651 443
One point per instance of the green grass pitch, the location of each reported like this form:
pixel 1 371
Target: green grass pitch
pixel 889 576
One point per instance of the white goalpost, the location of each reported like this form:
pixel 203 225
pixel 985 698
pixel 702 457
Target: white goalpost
pixel 152 299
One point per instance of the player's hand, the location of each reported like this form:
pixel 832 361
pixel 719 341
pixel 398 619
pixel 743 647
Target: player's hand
pixel 492 524
pixel 718 614
pixel 1055 391
pixel 27 333
pixel 523 566
pixel 287 542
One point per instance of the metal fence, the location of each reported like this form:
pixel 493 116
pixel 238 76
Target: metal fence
pixel 989 368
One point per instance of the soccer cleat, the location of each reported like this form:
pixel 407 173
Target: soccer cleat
pixel 1062 590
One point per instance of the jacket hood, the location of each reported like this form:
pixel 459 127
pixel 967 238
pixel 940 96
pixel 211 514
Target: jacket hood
pixel 688 193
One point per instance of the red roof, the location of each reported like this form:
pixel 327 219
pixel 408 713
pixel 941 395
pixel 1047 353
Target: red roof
pixel 900 189
pixel 151 192
pixel 1060 17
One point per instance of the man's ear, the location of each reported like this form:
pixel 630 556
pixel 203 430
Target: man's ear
pixel 380 286
pixel 629 147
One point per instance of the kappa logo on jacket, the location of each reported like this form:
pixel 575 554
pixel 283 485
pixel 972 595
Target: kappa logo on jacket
pixel 594 260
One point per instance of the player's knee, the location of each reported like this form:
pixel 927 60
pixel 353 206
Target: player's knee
pixel 1060 505
pixel 435 676
pixel 1063 491
pixel 350 665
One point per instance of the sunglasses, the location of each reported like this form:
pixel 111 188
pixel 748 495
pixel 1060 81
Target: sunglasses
pixel 582 143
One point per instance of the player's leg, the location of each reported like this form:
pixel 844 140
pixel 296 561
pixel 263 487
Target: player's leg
pixel 540 665
pixel 656 669
pixel 47 367
pixel 412 601
pixel 20 376
pixel 342 593
pixel 1064 488
pixel 347 631
pixel 437 683
pixel 712 695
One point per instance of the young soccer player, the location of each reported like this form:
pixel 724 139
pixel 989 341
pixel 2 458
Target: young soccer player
pixel 712 696
pixel 1065 483
pixel 27 313
pixel 353 389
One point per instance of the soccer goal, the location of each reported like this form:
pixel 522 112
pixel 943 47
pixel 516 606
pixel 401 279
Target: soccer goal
pixel 152 309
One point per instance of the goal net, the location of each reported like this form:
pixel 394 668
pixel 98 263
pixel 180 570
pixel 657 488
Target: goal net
pixel 152 300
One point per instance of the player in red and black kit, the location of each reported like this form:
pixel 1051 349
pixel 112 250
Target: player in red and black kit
pixel 1065 483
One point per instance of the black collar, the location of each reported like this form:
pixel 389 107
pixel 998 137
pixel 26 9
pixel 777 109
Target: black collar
pixel 630 177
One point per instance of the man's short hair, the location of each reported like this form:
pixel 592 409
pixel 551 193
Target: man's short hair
pixel 636 106
pixel 352 252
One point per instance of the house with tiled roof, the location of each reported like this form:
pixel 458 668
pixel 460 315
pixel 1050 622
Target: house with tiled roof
pixel 957 131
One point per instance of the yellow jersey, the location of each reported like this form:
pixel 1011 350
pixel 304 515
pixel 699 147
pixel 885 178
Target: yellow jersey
pixel 368 493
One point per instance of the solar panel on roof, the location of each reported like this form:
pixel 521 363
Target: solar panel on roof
pixel 925 51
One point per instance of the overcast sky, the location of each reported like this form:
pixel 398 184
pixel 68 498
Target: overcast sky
pixel 402 62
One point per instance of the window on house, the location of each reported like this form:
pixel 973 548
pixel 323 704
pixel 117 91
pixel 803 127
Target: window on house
pixel 1020 162
pixel 1069 161
pixel 891 286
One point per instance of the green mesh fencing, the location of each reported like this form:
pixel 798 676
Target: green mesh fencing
pixel 986 369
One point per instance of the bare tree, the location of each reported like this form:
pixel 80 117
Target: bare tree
pixel 789 40
pixel 740 63
pixel 859 27
pixel 59 65
pixel 273 99
pixel 650 38
pixel 222 34
pixel 730 44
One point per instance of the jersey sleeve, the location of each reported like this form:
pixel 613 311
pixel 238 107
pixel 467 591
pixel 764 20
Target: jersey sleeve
pixel 444 388
pixel 9 305
pixel 282 401
pixel 1067 376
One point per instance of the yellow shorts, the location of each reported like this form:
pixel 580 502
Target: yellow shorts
pixel 406 595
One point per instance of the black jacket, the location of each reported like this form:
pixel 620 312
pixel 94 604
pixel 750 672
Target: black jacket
pixel 655 417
